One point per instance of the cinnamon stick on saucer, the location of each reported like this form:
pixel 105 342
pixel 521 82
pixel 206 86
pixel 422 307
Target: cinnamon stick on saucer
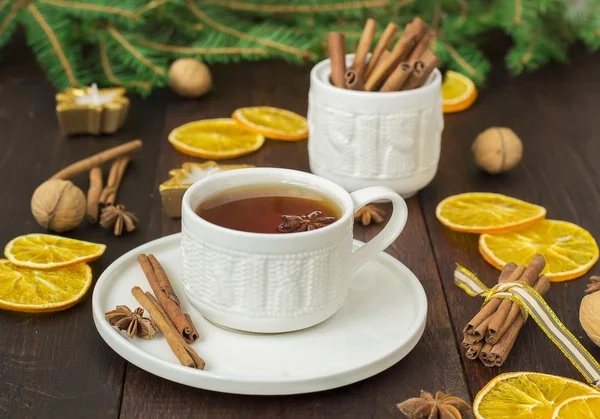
pixel 421 70
pixel 184 353
pixel 353 81
pixel 158 280
pixel 336 42
pixel 382 45
pixel 364 46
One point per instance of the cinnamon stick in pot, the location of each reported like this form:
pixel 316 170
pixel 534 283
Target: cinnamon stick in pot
pixel 421 47
pixel 421 70
pixel 382 45
pixel 398 77
pixel 336 42
pixel 353 81
pixel 400 52
pixel 364 46
pixel 158 280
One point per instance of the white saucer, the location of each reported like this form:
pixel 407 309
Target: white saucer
pixel 379 324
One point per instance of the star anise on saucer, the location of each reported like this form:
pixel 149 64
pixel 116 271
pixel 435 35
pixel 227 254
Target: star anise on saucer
pixel 442 406
pixel 594 285
pixel 369 213
pixel 115 217
pixel 133 322
pixel 297 223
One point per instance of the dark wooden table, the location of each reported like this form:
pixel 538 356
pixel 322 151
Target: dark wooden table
pixel 56 365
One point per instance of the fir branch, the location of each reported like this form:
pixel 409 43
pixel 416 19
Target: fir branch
pixel 134 53
pixel 8 24
pixel 518 12
pixel 250 6
pixel 151 6
pixel 145 86
pixel 464 64
pixel 245 36
pixel 88 6
pixel 187 50
pixel 49 50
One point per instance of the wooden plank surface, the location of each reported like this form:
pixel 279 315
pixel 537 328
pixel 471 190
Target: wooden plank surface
pixel 433 365
pixel 553 111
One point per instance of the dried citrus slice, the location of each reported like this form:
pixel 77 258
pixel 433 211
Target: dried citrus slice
pixel 487 213
pixel 458 92
pixel 570 251
pixel 580 407
pixel 35 290
pixel 215 139
pixel 521 395
pixel 45 251
pixel 275 123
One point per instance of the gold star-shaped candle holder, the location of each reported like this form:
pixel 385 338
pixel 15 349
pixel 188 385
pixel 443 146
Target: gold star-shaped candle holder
pixel 172 190
pixel 91 110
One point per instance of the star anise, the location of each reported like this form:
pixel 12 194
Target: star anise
pixel 297 223
pixel 369 213
pixel 115 217
pixel 443 406
pixel 594 285
pixel 132 321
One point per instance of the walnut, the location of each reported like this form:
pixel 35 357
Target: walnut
pixel 58 205
pixel 497 150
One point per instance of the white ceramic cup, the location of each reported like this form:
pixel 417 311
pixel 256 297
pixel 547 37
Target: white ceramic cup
pixel 359 139
pixel 272 283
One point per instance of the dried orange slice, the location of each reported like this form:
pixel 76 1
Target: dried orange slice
pixel 458 92
pixel 526 395
pixel 570 251
pixel 487 213
pixel 34 290
pixel 45 251
pixel 215 139
pixel 580 407
pixel 275 123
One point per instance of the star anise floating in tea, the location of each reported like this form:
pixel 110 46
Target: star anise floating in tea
pixel 369 213
pixel 133 322
pixel 298 223
pixel 442 406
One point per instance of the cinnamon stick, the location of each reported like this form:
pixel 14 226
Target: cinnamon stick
pixel 364 46
pixel 420 74
pixel 382 45
pixel 115 177
pixel 474 349
pixel 336 42
pixel 484 355
pixel 198 361
pixel 421 47
pixel 353 81
pixel 398 77
pixel 98 159
pixel 400 52
pixel 507 273
pixel 170 334
pixel 158 280
pixel 502 348
pixel 93 195
pixel 469 340
pixel 498 319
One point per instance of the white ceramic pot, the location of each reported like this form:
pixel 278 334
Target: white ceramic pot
pixel 359 139
pixel 276 282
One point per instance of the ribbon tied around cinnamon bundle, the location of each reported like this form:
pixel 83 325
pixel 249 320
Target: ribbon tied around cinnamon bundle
pixel 532 304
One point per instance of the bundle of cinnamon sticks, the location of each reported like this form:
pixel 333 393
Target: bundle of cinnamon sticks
pixel 165 310
pixel 406 66
pixel 491 334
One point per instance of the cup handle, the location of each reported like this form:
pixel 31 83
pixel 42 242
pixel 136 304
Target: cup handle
pixel 390 232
